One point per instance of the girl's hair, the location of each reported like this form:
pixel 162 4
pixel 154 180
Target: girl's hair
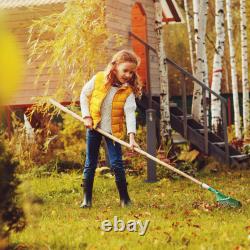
pixel 121 57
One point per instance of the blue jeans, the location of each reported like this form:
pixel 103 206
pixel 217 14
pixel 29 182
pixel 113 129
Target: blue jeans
pixel 93 141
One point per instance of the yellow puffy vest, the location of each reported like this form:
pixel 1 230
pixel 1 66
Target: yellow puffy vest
pixel 117 114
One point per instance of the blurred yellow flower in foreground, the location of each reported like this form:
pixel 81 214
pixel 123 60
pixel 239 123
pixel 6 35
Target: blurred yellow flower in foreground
pixel 11 64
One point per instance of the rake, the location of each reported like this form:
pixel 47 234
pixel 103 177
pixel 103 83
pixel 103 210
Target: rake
pixel 220 198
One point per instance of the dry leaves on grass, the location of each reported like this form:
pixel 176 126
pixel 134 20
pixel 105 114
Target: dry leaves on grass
pixel 204 206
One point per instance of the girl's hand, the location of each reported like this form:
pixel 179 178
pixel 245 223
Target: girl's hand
pixel 88 122
pixel 133 145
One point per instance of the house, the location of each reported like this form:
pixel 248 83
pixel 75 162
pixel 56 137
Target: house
pixel 124 16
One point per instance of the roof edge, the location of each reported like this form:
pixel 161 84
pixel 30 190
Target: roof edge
pixel 12 4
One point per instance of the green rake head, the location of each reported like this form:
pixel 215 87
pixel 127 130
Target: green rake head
pixel 225 200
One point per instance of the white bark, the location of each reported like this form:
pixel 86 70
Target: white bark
pixel 233 70
pixel 196 4
pixel 164 88
pixel 244 53
pixel 217 63
pixel 201 68
pixel 190 39
pixel 206 70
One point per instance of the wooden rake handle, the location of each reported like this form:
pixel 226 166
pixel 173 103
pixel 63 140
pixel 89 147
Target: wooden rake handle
pixel 140 151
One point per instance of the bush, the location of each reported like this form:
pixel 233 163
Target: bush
pixel 52 142
pixel 11 215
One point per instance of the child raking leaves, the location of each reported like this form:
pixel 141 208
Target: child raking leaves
pixel 107 100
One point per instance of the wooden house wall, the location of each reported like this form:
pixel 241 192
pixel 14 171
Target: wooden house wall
pixel 118 20
pixel 18 21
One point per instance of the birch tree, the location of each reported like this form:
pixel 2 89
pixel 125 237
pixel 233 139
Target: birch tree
pixel 196 22
pixel 164 88
pixel 190 38
pixel 233 70
pixel 205 80
pixel 200 60
pixel 244 61
pixel 217 63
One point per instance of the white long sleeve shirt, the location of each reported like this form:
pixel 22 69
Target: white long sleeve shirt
pixel 106 108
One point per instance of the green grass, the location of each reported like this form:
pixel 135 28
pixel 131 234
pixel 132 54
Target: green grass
pixel 181 214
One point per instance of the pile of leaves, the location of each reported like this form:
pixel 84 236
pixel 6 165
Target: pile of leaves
pixel 188 160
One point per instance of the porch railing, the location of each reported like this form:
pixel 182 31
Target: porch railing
pixel 205 89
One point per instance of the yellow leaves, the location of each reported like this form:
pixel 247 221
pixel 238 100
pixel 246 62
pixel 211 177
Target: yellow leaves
pixel 73 42
pixel 196 212
pixel 53 213
pixel 188 156
pixel 47 142
pixel 230 133
pixel 147 213
pixel 102 171
pixel 164 181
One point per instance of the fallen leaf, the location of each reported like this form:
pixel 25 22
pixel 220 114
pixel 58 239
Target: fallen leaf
pixel 197 226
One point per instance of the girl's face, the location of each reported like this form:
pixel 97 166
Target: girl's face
pixel 125 71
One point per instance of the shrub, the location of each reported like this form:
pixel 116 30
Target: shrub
pixel 11 215
pixel 53 143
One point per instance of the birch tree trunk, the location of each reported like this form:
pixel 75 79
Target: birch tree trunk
pixel 233 70
pixel 217 63
pixel 196 5
pixel 244 53
pixel 206 70
pixel 190 38
pixel 164 86
pixel 201 68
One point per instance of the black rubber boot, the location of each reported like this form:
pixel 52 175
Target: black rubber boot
pixel 87 187
pixel 123 193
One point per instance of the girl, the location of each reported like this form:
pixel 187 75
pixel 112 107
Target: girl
pixel 104 100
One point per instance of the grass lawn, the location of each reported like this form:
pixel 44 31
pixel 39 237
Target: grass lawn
pixel 181 214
